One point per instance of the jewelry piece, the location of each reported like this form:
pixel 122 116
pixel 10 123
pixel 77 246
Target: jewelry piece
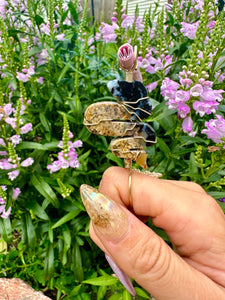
pixel 123 119
pixel 148 173
pixel 151 174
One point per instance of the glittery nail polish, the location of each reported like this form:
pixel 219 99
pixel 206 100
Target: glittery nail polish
pixel 107 216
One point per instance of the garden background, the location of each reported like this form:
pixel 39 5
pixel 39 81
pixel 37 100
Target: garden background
pixel 54 62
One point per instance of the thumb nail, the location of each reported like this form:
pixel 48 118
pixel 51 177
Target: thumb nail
pixel 107 216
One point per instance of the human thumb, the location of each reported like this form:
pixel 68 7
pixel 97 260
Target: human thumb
pixel 142 254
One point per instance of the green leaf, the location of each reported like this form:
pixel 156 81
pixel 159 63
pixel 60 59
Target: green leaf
pixel 220 64
pixel 45 190
pixel 163 147
pixel 192 164
pixel 73 12
pixel 50 234
pixel 77 262
pixel 28 231
pixel 217 195
pixel 116 297
pixel 4 181
pixel 101 292
pixel 75 290
pixel 37 209
pixel 102 281
pixel 63 72
pixel 39 20
pixel 171 18
pixel 71 215
pixel 37 146
pixel 126 295
pixel 84 156
pixel 45 122
pixel 64 16
pixel 67 242
pixel 31 235
pixel 191 140
pixel 49 263
pixel 222 205
pixel 141 293
pixel 117 160
pixel 6 229
pixel 160 113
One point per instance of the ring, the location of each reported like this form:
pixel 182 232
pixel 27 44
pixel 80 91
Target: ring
pixel 129 185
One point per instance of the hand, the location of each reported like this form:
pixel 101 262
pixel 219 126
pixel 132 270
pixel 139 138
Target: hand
pixel 193 221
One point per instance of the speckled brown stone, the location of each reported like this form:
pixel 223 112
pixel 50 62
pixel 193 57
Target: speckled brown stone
pixel 17 289
pixel 129 147
pixel 105 111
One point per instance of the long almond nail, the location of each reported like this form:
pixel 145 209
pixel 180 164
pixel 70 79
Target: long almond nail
pixel 107 215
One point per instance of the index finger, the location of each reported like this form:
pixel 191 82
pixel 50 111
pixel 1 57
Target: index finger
pixel 169 203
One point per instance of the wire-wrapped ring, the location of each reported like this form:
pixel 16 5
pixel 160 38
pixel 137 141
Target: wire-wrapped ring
pixel 129 186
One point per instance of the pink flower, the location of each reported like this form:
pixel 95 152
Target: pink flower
pixel 196 90
pixel 206 107
pixel 27 162
pixel 187 125
pixel 22 40
pixel 30 71
pixel 152 86
pixel 15 139
pixel 4 214
pixel 211 95
pixel 182 96
pixel 215 129
pixel 77 144
pixel 186 82
pixel 189 30
pixel 2 142
pixel 16 193
pixel 5 165
pixel 3 153
pixel 108 32
pixel 144 63
pixel 128 22
pixel 139 25
pixel 26 128
pixel 55 166
pixel 114 19
pixel 60 37
pixel 169 88
pixel 70 135
pixel 40 80
pixel 183 109
pixel 12 175
pixel 8 109
pixel 45 28
pixel 42 57
pixel 21 76
pixel 211 24
pixel 64 163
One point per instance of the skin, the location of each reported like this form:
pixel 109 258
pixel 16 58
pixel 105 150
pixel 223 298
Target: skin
pixel 194 223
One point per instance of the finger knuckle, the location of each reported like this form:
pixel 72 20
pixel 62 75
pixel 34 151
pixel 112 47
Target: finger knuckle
pixel 108 174
pixel 148 255
pixel 196 187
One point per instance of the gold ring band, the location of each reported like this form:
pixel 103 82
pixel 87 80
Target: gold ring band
pixel 129 185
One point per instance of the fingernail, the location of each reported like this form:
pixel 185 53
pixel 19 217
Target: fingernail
pixel 121 275
pixel 107 215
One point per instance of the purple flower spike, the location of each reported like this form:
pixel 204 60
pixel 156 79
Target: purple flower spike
pixel 121 275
